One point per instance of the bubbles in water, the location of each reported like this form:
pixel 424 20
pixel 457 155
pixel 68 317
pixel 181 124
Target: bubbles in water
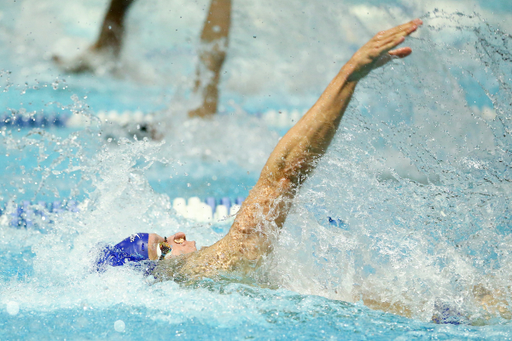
pixel 119 326
pixel 12 308
pixel 81 322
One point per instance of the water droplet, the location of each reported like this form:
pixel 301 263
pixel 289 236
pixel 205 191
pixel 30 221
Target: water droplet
pixel 119 326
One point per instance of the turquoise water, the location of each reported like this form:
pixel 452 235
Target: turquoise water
pixel 419 172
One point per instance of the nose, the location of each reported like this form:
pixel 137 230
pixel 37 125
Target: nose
pixel 179 237
pixel 191 246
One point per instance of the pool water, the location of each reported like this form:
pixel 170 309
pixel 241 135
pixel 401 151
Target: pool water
pixel 410 204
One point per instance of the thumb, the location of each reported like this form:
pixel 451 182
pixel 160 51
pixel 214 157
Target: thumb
pixel 398 53
pixel 401 52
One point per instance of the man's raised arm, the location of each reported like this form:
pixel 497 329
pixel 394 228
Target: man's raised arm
pixel 296 153
pixel 294 157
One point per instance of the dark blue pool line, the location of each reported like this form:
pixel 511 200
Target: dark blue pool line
pixel 212 202
pixel 25 214
pixel 19 120
pixel 15 119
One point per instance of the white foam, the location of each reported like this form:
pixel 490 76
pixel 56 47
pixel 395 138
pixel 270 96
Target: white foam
pixel 180 206
pixel 221 212
pixel 12 308
pixel 234 209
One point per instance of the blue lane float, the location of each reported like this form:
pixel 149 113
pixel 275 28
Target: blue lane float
pixel 273 118
pixel 29 215
pixel 38 120
pixel 26 214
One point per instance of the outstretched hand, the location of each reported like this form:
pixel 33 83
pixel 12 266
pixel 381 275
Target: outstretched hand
pixel 379 50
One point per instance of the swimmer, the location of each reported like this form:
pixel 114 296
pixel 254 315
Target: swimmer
pixel 104 53
pixel 264 211
pixel 107 47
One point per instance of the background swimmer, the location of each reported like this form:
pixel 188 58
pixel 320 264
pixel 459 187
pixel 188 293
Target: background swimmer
pixel 107 46
pixel 212 51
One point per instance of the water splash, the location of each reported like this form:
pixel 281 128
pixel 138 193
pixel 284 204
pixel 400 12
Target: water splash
pixel 419 174
pixel 420 179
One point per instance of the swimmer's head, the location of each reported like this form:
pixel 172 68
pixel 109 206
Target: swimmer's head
pixel 180 245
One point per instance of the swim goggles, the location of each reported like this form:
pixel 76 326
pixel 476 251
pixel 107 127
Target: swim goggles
pixel 163 249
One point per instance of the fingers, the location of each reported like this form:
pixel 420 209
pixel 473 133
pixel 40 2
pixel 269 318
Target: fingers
pixel 401 30
pixel 392 44
pixel 395 36
pixel 406 28
pixel 398 53
pixel 401 52
pixel 399 33
pixel 381 49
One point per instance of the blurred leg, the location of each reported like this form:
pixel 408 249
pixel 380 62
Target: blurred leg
pixel 214 43
pixel 105 50
pixel 112 29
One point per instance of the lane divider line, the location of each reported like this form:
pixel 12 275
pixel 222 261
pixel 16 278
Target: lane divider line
pixel 30 215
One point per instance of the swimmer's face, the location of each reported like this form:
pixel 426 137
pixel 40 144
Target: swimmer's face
pixel 180 245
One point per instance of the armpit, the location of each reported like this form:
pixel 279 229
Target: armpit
pixel 265 205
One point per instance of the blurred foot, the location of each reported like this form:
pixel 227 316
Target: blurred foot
pixel 97 61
